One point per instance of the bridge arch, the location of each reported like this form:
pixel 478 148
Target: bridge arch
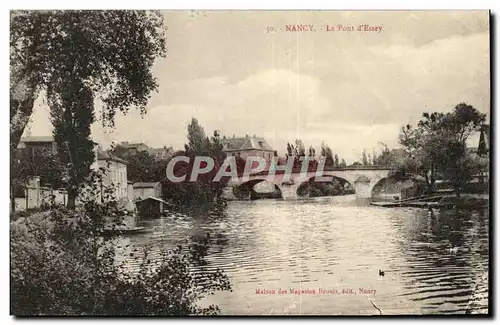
pixel 391 186
pixel 246 190
pixel 337 186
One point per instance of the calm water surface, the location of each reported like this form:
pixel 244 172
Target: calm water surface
pixel 433 263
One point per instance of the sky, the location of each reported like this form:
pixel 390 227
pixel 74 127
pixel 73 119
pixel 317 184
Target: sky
pixel 351 89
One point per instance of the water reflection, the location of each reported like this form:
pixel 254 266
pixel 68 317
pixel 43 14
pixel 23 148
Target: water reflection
pixel 433 263
pixel 446 259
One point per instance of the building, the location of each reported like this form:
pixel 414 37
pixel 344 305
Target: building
pixel 115 175
pixel 151 206
pixel 144 190
pixel 38 143
pixel 161 153
pixel 134 148
pixel 247 147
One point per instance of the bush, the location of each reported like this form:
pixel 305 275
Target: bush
pixel 61 265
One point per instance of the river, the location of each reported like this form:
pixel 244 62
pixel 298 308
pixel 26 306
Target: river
pixel 279 254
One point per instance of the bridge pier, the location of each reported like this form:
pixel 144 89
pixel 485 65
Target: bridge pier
pixel 227 193
pixel 289 192
pixel 363 188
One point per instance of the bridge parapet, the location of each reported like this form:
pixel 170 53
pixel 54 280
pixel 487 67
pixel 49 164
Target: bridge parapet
pixel 326 169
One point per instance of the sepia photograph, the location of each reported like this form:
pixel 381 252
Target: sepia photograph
pixel 250 162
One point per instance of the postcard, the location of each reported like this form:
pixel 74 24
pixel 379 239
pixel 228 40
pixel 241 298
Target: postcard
pixel 211 162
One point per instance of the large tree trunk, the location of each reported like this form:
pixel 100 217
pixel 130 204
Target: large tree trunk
pixel 72 194
pixel 22 99
pixel 20 114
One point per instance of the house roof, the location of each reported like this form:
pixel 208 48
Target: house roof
pixel 102 155
pixel 134 145
pixel 29 139
pixel 246 143
pixel 153 199
pixel 145 184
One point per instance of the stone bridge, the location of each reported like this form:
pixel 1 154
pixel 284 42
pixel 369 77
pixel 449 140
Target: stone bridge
pixel 361 178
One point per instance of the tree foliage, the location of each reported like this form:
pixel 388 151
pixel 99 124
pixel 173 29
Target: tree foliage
pixel 437 146
pixel 311 152
pixel 327 153
pixel 365 159
pixel 110 51
pixel 336 162
pixel 204 191
pixel 142 166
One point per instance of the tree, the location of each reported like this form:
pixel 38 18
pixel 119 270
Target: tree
pixel 311 151
pixel 326 152
pixel 196 138
pixel 343 163
pixel 457 166
pixel 142 167
pixel 437 145
pixel 336 161
pixel 300 149
pixel 202 192
pixel 424 145
pixel 72 114
pixel 364 159
pixel 106 55
pixel 384 159
pixel 463 122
